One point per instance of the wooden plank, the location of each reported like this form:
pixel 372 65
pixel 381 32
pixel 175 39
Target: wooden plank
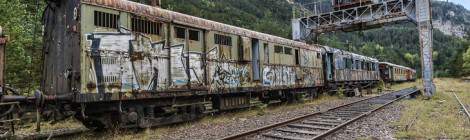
pixel 320 123
pixel 298 131
pixel 308 126
pixel 283 137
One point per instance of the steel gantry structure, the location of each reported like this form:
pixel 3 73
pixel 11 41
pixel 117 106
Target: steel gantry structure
pixel 308 24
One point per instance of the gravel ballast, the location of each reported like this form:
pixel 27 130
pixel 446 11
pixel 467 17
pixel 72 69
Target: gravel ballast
pixel 235 125
pixel 378 125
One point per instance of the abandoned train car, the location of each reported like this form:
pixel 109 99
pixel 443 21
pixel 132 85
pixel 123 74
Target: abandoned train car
pixel 141 65
pixel 350 71
pixel 134 65
pixel 392 73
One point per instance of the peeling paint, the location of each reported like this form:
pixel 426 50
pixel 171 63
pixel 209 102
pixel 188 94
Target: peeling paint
pixel 123 62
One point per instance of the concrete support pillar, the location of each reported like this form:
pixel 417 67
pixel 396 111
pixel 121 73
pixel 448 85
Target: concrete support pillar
pixel 423 17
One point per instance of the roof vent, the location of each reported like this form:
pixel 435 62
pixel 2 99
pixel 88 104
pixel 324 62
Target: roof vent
pixel 155 3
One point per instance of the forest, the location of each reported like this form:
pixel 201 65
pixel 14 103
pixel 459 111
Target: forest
pixel 22 22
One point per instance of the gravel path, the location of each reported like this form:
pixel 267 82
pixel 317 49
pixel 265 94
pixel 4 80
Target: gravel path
pixel 234 125
pixel 377 125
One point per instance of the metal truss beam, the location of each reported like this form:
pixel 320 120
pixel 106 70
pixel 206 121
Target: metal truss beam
pixel 307 26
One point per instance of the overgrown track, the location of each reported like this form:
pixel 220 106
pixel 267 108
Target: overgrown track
pixel 462 105
pixel 318 125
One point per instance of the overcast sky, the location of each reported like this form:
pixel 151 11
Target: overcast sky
pixel 465 3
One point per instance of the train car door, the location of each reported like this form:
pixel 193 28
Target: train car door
pixel 186 57
pixel 255 59
pixel 329 69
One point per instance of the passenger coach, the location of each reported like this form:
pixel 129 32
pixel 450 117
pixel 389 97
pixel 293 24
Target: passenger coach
pixel 133 64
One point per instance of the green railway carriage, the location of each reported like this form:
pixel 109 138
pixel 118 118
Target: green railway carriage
pixel 152 66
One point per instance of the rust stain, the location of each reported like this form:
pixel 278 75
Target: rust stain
pixel 155 13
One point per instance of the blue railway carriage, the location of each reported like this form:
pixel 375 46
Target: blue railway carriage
pixel 131 64
pixel 347 70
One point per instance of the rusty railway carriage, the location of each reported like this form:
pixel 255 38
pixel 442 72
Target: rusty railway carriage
pixel 120 63
pixel 350 71
pixel 142 66
pixel 392 73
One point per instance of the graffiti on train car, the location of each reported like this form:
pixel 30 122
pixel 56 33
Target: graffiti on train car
pixel 122 62
pixel 228 75
pixel 180 68
pixel 278 76
pixel 225 75
pixel 309 77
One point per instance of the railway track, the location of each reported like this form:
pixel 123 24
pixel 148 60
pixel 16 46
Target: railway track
pixel 321 124
pixel 462 105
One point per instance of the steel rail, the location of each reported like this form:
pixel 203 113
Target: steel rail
pixel 462 105
pixel 363 115
pixel 281 124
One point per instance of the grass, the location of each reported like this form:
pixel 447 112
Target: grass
pixel 30 127
pixel 437 118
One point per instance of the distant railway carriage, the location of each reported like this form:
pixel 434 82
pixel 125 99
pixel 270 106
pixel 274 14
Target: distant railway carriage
pixel 347 69
pixel 396 73
pixel 117 62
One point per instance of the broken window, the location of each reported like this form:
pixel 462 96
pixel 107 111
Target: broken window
pixel 288 51
pixel 193 35
pixel 297 57
pixel 222 40
pixel 180 32
pixel 103 19
pixel 278 49
pixel 145 26
pixel 266 53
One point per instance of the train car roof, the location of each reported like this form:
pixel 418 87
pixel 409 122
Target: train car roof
pixel 353 55
pixel 395 65
pixel 159 14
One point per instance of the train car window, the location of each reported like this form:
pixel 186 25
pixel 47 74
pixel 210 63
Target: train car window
pixel 102 19
pixel 358 65
pixel 180 32
pixel 266 53
pixel 348 63
pixel 194 35
pixel 297 57
pixel 278 49
pixel 318 55
pixel 145 26
pixel 222 40
pixel 288 51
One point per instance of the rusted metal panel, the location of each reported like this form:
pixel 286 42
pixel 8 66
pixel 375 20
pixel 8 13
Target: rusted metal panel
pixel 3 41
pixel 61 71
pixel 166 15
